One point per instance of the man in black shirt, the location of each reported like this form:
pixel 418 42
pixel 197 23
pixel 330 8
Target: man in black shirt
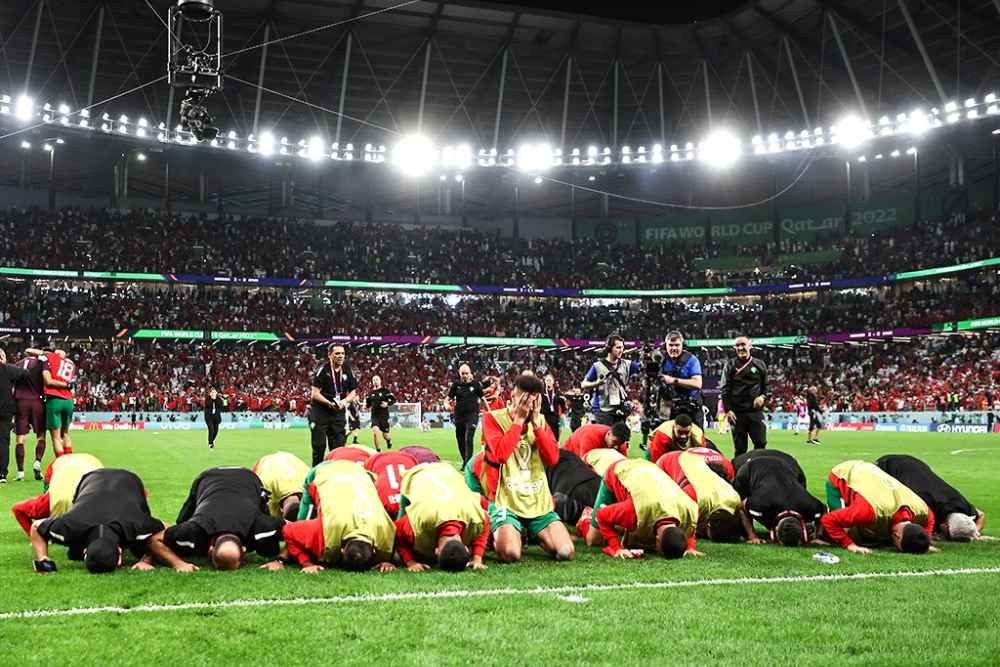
pixel 773 495
pixel 213 415
pixel 553 405
pixel 334 388
pixel 815 416
pixel 465 397
pixel 954 516
pixel 743 388
pixel 225 515
pixel 379 400
pixel 9 374
pixel 789 460
pixel 574 486
pixel 109 513
pixel 577 406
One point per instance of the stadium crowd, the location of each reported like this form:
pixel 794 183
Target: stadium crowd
pixel 150 241
pixel 938 374
pixel 96 307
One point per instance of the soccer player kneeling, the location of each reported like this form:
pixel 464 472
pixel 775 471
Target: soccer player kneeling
pixel 282 474
pixel 640 499
pixel 440 519
pixel 519 444
pixel 869 506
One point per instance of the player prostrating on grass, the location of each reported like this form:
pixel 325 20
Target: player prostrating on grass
pixel 351 529
pixel 869 506
pixel 61 479
pixel 574 486
pixel 639 508
pixel 282 475
pixel 389 468
pixel 58 373
pixel 595 436
pixel 675 435
pixel 774 496
pixel 957 519
pixel 519 444
pixel 379 400
pixel 441 520
pixel 721 517
pixel 109 513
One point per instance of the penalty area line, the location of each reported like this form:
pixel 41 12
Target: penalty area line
pixel 487 592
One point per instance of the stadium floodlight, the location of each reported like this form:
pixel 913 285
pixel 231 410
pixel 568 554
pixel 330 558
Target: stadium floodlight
pixel 950 106
pixel 534 157
pixel 317 148
pixel 538 180
pixel 265 145
pixel 851 131
pixel 25 145
pixel 721 149
pixel 463 157
pixel 459 178
pixel 592 178
pixel 24 107
pixel 413 155
pixel 47 148
pixel 912 150
pixel 919 122
pixel 141 157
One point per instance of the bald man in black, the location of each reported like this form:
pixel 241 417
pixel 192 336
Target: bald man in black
pixel 109 514
pixel 225 515
pixel 774 495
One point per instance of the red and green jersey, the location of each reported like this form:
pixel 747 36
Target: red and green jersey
pixel 62 369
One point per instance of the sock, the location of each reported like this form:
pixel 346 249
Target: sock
pixel 19 456
pixel 388 443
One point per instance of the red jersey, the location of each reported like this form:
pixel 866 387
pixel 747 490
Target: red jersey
pixel 61 368
pixel 710 456
pixel 389 468
pixel 354 454
pixel 590 437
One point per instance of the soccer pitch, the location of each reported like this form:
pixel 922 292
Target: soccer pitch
pixel 740 604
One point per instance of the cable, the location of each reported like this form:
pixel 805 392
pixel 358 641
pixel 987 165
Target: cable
pixel 87 108
pixel 809 162
pixel 309 104
pixel 322 27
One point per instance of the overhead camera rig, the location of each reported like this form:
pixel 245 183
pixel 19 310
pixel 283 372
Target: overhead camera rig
pixel 194 62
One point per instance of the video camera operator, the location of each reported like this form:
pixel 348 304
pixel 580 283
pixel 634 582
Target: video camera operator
pixel 609 378
pixel 681 379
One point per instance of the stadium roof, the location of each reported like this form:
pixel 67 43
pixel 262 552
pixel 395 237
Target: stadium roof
pixel 807 61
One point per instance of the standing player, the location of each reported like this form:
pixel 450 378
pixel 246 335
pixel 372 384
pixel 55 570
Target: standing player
pixel 334 388
pixel 464 398
pixel 29 393
pixel 815 416
pixel 801 416
pixel 59 375
pixel 9 375
pixel 553 405
pixel 379 400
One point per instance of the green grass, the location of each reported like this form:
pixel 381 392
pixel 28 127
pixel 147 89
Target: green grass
pixel 889 620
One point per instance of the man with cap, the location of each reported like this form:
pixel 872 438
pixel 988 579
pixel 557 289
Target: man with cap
pixel 675 435
pixel 638 499
pixel 441 520
pixel 225 515
pixel 351 528
pixel 282 475
pixel 773 495
pixel 721 517
pixel 60 481
pixel 958 519
pixel 593 436
pixel 870 506
pixel 109 513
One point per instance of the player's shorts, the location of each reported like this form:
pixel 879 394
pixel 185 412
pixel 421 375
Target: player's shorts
pixel 30 415
pixel 353 424
pixel 501 516
pixel 381 424
pixel 815 423
pixel 58 413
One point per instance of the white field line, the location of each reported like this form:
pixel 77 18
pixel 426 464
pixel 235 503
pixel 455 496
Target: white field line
pixel 488 592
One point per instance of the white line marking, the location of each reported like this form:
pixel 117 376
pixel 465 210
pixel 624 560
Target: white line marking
pixel 578 599
pixel 486 592
pixel 962 451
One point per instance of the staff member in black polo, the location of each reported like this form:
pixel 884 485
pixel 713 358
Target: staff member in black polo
pixel 9 373
pixel 553 404
pixel 743 391
pixel 465 397
pixel 334 387
pixel 213 415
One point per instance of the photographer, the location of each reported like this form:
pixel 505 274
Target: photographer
pixel 743 391
pixel 681 377
pixel 609 378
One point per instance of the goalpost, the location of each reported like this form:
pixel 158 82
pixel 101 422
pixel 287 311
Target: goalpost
pixel 401 415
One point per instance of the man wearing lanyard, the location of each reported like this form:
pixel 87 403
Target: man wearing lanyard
pixel 334 388
pixel 743 388
pixel 553 405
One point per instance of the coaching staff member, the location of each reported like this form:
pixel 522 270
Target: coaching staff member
pixel 213 415
pixel 465 397
pixel 334 388
pixel 681 372
pixel 744 386
pixel 9 374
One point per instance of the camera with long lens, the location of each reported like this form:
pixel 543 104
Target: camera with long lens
pixel 651 360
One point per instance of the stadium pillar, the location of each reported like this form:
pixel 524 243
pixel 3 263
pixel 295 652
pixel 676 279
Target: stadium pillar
pixel 565 109
pixel 798 86
pixel 753 94
pixel 34 45
pixel 572 201
pixel 928 63
pixel 775 217
pixel 423 87
pixel 97 54
pixel 847 64
pixel 847 198
pixel 517 210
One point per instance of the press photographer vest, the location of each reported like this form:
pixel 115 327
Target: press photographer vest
pixel 437 493
pixel 611 392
